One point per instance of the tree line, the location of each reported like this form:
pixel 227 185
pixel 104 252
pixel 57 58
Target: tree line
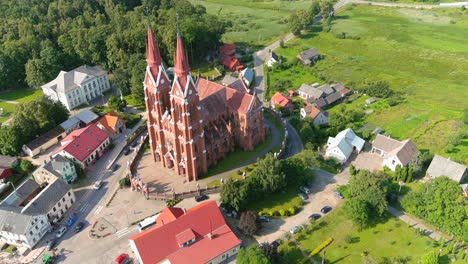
pixel 41 37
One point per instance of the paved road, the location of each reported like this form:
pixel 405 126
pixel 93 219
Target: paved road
pixel 459 4
pixel 294 142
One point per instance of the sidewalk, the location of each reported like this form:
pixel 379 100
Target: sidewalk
pixel 409 220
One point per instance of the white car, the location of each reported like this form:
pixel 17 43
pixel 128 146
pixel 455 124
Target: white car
pixel 305 189
pixel 61 231
pixel 98 185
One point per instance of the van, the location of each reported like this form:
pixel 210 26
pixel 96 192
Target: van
pixel 147 223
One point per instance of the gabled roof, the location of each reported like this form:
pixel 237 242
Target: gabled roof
pixel 157 244
pixel 86 116
pixel 82 142
pixel 47 198
pixel 308 54
pixel 312 111
pixel 38 142
pixel 70 122
pixel 13 221
pixel 231 63
pixel 7 161
pixel 404 150
pixel 441 166
pixel 168 215
pixel 248 74
pixel 386 144
pixel 274 56
pixel 279 99
pixel 19 195
pixel 333 97
pixel 345 141
pixel 109 121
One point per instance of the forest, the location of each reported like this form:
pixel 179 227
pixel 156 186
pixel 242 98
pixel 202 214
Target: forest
pixel 39 38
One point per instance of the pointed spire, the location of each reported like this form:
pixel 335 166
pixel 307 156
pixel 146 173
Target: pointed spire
pixel 153 57
pixel 181 66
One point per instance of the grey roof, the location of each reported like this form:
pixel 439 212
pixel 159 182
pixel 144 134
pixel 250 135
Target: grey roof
pixel 338 86
pixel 50 195
pixel 441 166
pixel 38 142
pixel 53 167
pixel 311 91
pixel 333 97
pixel 14 222
pixel 87 116
pixel 67 81
pixel 7 161
pixel 239 86
pixel 327 89
pixel 70 122
pixel 229 79
pixel 308 54
pixel 274 56
pixel 21 193
pixel 248 74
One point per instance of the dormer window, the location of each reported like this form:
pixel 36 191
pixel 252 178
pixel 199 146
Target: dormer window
pixel 186 238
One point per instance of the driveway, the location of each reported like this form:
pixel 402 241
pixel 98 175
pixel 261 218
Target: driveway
pixel 322 194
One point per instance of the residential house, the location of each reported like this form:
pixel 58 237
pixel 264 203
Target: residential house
pixel 324 95
pixel 5 173
pixel 78 86
pixel 227 50
pixel 44 142
pixel 394 152
pixel 83 118
pixel 84 146
pixel 112 124
pixel 58 167
pixel 235 83
pixel 199 235
pixel 343 145
pixel 247 76
pixel 6 164
pixel 320 117
pixel 272 60
pixel 232 64
pixel 307 57
pixel 441 166
pixel 27 213
pixel 282 101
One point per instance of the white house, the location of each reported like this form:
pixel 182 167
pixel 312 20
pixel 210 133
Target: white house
pixel 27 213
pixel 320 117
pixel 273 59
pixel 247 75
pixel 57 167
pixel 441 166
pixel 78 86
pixel 394 152
pixel 343 145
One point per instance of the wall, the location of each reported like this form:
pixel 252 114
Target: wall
pixel 62 207
pixel 32 235
pixel 219 259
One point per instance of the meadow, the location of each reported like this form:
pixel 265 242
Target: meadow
pixel 17 95
pixel 423 54
pixel 255 23
pixel 391 241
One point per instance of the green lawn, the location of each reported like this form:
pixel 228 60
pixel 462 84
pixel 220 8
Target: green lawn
pixel 8 109
pixel 21 95
pixel 421 53
pixel 253 22
pixel 385 242
pixel 278 201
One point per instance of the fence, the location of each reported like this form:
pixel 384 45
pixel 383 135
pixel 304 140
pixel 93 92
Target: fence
pixel 184 195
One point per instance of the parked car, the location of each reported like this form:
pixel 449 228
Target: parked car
pixel 79 226
pixel 115 167
pixel 314 216
pixel 126 151
pixel 338 194
pixel 51 244
pixel 295 229
pixel 326 209
pixel 62 230
pixel 305 189
pixel 98 185
pixel 264 218
pixel 71 220
pixel 303 196
pixel 200 198
pixel 122 259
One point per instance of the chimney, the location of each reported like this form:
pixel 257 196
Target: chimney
pixel 210 235
pixel 162 222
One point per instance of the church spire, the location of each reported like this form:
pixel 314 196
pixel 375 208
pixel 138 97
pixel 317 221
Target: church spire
pixel 153 57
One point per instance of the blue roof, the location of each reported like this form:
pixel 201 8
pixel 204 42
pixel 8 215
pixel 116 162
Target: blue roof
pixel 70 122
pixel 87 116
pixel 248 74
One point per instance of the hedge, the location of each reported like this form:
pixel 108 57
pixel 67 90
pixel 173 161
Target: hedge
pixel 321 246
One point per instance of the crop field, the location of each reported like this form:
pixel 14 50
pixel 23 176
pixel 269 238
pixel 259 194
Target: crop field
pixel 253 22
pixel 421 53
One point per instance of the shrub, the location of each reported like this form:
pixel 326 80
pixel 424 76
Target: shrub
pixel 321 246
pixel 25 165
pixel 282 212
pixel 292 211
pixel 173 202
pixel 271 213
pixel 124 182
pixel 239 172
pixel 276 213
pixel 348 239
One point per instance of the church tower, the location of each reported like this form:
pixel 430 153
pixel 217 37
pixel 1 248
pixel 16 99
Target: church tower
pixel 157 97
pixel 187 118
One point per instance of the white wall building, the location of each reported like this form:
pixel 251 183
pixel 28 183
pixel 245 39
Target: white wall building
pixel 78 86
pixel 57 167
pixel 343 145
pixel 394 152
pixel 20 229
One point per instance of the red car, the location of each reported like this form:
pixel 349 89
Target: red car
pixel 122 259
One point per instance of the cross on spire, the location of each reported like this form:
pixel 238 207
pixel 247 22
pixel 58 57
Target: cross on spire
pixel 177 24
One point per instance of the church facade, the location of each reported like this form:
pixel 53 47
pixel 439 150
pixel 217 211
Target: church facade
pixel 194 124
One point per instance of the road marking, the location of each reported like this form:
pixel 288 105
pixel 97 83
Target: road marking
pixel 98 209
pixel 122 232
pixel 84 207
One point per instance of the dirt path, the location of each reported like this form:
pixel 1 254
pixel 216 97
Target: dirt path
pixel 7 101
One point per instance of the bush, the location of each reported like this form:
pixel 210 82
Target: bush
pixel 292 211
pixel 173 202
pixel 124 182
pixel 282 212
pixel 24 165
pixel 321 246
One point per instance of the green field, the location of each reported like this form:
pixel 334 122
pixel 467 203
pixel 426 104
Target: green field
pixel 422 53
pixel 383 243
pixel 253 22
pixel 21 95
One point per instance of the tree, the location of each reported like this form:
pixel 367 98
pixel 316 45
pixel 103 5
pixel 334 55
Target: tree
pixel 326 7
pixel 234 194
pixel 430 258
pixel 116 103
pixel 367 193
pixel 299 20
pixel 10 140
pixel 379 89
pixel 315 8
pixel 417 163
pixel 269 174
pixel 249 223
pixel 251 255
pixel 270 251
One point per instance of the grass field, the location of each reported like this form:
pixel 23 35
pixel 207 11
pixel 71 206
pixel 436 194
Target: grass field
pixel 383 243
pixel 18 95
pixel 253 22
pixel 8 109
pixel 421 53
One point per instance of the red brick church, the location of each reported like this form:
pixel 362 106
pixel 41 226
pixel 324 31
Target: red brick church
pixel 193 125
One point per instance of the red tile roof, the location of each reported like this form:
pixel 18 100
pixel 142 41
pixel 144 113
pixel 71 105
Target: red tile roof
pixel 5 173
pixel 279 99
pixel 312 111
pixel 185 236
pixel 157 244
pixel 228 49
pixel 232 63
pixel 168 215
pixel 109 121
pixel 82 142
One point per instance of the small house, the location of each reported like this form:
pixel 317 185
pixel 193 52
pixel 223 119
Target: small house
pixel 394 152
pixel 343 145
pixel 247 76
pixel 272 60
pixel 441 166
pixel 282 101
pixel 320 117
pixel 44 142
pixel 307 57
pixel 112 124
